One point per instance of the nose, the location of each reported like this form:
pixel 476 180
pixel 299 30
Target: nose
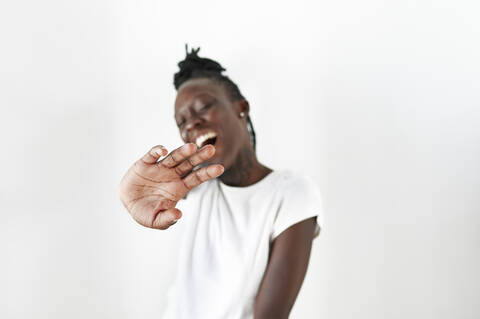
pixel 190 124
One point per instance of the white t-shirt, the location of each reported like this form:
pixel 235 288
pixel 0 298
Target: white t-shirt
pixel 225 242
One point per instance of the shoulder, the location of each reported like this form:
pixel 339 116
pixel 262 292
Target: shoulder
pixel 297 183
pixel 297 187
pixel 300 199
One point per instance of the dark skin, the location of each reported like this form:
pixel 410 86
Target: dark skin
pixel 203 105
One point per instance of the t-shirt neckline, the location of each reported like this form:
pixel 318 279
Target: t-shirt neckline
pixel 249 188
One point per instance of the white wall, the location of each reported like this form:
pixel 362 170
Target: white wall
pixel 378 101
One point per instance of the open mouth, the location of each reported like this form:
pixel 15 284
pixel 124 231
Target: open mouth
pixel 204 139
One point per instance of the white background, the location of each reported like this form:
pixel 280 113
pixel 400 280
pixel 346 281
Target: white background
pixel 378 100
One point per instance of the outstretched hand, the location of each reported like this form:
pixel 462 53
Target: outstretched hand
pixel 151 188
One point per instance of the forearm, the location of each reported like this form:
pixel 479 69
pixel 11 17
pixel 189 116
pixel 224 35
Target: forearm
pixel 272 314
pixel 285 272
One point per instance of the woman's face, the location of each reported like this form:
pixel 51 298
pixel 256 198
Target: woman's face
pixel 205 114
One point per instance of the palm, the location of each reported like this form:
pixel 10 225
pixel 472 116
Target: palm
pixel 150 189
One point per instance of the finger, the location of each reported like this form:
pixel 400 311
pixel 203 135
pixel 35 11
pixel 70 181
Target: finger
pixel 179 155
pixel 167 218
pixel 154 154
pixel 202 155
pixel 203 174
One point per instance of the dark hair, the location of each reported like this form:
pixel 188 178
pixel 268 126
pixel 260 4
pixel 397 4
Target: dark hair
pixel 194 66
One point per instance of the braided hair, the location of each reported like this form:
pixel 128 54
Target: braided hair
pixel 193 67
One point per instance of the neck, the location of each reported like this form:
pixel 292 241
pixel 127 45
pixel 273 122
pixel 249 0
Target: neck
pixel 246 170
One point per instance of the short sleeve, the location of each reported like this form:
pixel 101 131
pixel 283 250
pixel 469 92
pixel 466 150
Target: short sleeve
pixel 300 200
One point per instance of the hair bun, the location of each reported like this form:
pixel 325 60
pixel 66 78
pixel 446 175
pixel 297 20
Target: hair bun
pixel 192 64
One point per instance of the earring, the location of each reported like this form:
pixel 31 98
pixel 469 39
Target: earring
pixel 242 114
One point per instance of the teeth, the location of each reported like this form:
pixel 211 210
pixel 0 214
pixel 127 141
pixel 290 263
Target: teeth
pixel 202 138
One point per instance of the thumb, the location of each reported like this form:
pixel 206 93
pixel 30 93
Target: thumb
pixel 166 218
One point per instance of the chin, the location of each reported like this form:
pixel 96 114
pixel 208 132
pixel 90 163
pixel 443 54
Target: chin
pixel 213 160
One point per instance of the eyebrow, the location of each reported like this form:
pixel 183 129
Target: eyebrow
pixel 202 94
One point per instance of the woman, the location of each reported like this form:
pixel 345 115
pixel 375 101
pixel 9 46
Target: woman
pixel 247 230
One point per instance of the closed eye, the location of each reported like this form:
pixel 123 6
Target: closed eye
pixel 206 106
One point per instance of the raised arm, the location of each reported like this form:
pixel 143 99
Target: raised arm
pixel 288 261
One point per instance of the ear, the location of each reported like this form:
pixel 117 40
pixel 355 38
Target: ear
pixel 242 106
